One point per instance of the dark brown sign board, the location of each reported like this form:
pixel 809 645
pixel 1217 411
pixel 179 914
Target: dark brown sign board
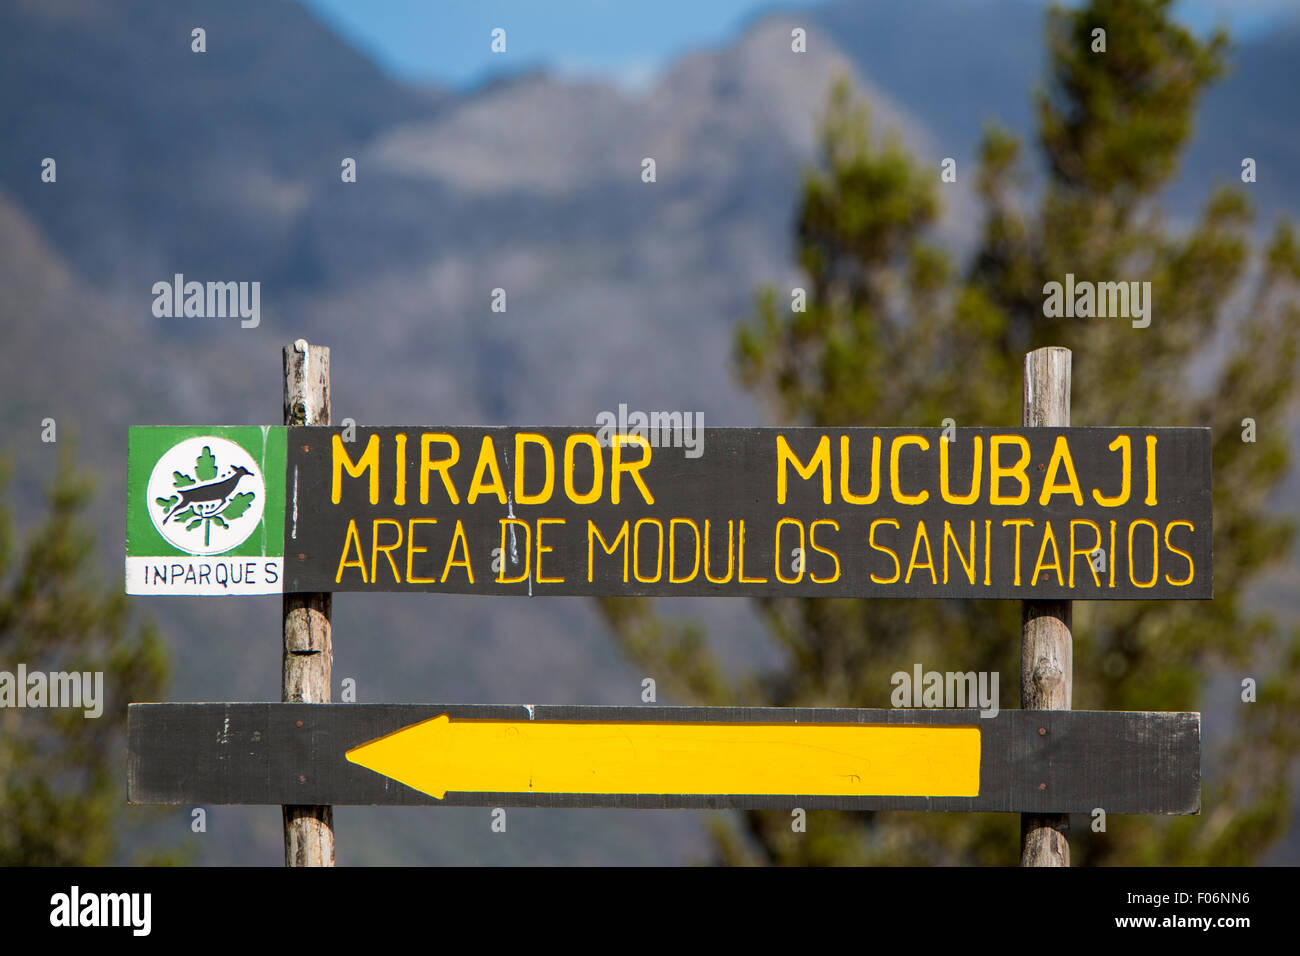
pixel 1007 513
pixel 664 757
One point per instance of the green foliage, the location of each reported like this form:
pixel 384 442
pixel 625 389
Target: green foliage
pixel 205 466
pixel 238 505
pixel 62 775
pixel 1113 123
pixel 893 335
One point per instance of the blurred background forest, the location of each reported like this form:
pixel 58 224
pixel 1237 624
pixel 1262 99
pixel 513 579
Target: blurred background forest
pixel 774 170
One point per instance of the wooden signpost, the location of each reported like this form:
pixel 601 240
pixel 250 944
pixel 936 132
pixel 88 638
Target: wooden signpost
pixel 665 757
pixel 308 653
pixel 1046 630
pixel 1044 513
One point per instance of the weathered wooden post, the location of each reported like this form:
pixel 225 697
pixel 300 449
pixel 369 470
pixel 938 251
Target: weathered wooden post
pixel 308 642
pixel 1046 644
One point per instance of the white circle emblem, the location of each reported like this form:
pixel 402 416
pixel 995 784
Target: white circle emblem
pixel 206 495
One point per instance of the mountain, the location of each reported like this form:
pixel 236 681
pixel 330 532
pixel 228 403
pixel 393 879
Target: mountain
pixel 225 165
pixel 169 158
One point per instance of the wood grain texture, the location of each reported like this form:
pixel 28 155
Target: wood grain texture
pixel 1031 761
pixel 1046 640
pixel 1045 401
pixel 308 652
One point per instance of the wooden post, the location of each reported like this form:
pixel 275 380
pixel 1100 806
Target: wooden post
pixel 308 643
pixel 1046 644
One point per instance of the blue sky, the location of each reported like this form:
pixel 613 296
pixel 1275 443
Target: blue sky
pixel 447 41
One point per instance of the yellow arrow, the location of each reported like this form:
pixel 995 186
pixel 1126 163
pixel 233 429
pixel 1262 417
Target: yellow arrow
pixel 640 757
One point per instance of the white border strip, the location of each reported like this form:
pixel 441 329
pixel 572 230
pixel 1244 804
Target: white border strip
pixel 178 574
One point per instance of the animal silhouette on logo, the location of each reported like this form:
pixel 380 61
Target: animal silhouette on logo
pixel 208 499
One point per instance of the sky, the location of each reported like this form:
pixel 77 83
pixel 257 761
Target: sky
pixel 447 42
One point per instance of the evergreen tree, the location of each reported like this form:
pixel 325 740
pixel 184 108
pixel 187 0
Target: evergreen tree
pixel 62 774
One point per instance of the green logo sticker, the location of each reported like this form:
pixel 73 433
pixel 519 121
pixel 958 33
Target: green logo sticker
pixel 200 500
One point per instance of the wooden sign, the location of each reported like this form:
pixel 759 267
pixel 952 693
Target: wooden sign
pixel 1006 513
pixel 664 757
